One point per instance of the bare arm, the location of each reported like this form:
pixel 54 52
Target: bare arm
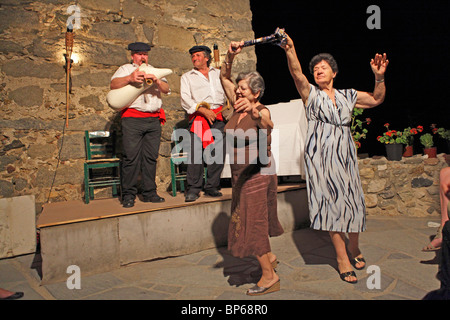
pixel 300 80
pixel 367 100
pixel 163 86
pixel 225 71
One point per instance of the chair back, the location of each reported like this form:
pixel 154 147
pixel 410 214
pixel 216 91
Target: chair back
pixel 99 145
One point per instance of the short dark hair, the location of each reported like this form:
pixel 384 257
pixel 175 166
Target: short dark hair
pixel 326 57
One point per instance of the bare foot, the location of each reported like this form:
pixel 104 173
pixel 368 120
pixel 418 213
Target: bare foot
pixel 268 282
pixel 356 254
pixel 345 267
pixel 435 244
pixel 5 293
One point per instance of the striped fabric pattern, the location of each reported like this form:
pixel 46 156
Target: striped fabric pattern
pixel 335 195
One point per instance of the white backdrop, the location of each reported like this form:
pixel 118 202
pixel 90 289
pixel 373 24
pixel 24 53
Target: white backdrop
pixel 288 139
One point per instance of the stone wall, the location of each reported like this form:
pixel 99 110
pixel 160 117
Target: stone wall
pixel 33 84
pixel 409 187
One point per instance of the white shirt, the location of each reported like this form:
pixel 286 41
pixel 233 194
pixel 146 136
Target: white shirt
pixel 150 99
pixel 195 88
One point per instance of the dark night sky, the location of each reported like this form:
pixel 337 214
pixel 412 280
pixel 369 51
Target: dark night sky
pixel 414 34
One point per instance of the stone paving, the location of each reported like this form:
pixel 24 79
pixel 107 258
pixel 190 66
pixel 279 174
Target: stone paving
pixel 396 269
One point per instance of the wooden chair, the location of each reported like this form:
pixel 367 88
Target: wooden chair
pixel 178 161
pixel 101 167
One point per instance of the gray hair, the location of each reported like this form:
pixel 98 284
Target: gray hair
pixel 254 80
pixel 326 57
pixel 208 55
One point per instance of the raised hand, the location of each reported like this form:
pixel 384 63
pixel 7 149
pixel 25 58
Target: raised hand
pixel 288 44
pixel 379 64
pixel 235 47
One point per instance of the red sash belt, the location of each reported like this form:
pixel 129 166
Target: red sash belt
pixel 200 126
pixel 133 113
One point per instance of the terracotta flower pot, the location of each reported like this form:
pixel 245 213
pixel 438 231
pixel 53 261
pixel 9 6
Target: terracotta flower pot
pixel 431 152
pixel 409 152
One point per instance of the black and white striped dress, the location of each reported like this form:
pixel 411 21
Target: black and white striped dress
pixel 335 195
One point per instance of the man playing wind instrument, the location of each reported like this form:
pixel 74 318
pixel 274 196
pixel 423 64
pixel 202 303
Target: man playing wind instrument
pixel 141 127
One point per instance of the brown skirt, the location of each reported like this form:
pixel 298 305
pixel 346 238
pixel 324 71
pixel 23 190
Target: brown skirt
pixel 254 216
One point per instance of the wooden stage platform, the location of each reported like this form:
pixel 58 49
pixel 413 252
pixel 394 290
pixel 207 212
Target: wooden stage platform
pixel 102 235
pixel 66 212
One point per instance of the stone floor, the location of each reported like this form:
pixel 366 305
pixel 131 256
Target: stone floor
pixel 391 245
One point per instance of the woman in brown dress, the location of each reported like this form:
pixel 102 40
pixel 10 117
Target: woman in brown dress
pixel 254 198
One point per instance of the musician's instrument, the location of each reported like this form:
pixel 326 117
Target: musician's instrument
pixel 216 56
pixel 279 38
pixel 208 106
pixel 119 99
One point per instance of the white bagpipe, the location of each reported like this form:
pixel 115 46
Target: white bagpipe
pixel 119 99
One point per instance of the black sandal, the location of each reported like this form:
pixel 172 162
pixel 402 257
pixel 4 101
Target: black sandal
pixel 356 260
pixel 344 275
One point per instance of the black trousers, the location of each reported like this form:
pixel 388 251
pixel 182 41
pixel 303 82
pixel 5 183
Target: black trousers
pixel 195 169
pixel 141 140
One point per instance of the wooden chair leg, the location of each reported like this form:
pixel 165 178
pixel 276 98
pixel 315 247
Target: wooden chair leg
pixel 174 181
pixel 86 184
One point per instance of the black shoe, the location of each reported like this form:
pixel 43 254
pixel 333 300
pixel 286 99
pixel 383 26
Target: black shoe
pixel 213 193
pixel 14 296
pixel 128 202
pixel 190 197
pixel 155 199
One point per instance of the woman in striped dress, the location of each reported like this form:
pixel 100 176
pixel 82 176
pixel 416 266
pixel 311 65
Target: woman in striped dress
pixel 335 195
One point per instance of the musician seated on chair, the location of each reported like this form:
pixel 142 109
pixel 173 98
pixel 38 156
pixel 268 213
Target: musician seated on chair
pixel 141 127
pixel 203 98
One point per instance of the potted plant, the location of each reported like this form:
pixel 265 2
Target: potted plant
pixel 358 132
pixel 407 139
pixel 443 133
pixel 392 140
pixel 427 142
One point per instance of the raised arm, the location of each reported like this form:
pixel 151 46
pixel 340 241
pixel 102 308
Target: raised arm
pixel 367 100
pixel 225 72
pixel 300 80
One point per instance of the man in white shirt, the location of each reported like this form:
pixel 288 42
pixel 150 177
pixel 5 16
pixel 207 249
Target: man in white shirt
pixel 141 127
pixel 202 97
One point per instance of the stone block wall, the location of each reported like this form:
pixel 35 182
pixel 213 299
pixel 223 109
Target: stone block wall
pixel 33 82
pixel 407 187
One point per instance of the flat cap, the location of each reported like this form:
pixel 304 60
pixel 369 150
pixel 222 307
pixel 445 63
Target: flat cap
pixel 139 47
pixel 198 49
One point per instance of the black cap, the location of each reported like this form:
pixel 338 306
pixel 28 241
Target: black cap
pixel 139 47
pixel 195 49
